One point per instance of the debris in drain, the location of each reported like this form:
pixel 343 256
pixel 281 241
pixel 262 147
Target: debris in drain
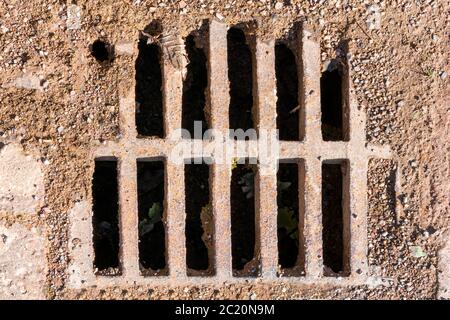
pixel 172 46
pixel 148 223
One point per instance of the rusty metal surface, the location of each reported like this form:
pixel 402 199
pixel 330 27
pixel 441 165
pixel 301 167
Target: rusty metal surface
pixel 311 151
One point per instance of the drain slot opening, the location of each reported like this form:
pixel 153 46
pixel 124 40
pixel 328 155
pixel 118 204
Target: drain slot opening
pixel 152 238
pixel 149 96
pixel 288 119
pixel 335 218
pixel 199 219
pixel 290 191
pixel 240 75
pixel 194 86
pixel 243 224
pixel 105 217
pixel 333 103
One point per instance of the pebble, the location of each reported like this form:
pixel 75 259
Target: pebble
pixel 417 252
pixel 278 6
pixel 373 21
pixel 73 21
pixel 443 75
pixel 219 16
pixel 28 81
pixel 124 48
pixel 401 103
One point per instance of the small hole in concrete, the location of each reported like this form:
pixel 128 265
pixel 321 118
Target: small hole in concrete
pixel 101 50
pixel 288 118
pixel 152 244
pixel 335 217
pixel 194 87
pixel 199 217
pixel 149 97
pixel 332 103
pixel 105 217
pixel 243 228
pixel 240 75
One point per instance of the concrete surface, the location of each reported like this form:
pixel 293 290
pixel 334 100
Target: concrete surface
pixel 22 186
pixel 22 262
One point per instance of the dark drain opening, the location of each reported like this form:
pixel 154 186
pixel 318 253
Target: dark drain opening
pixel 243 227
pixel 286 72
pixel 194 87
pixel 332 103
pixel 335 216
pixel 149 97
pixel 105 217
pixel 101 50
pixel 290 182
pixel 240 75
pixel 199 218
pixel 152 244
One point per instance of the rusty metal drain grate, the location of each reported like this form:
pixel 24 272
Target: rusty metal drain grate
pixel 314 156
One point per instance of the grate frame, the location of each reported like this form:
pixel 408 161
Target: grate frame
pixel 311 150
